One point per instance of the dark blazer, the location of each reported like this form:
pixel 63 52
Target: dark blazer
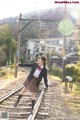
pixel 43 73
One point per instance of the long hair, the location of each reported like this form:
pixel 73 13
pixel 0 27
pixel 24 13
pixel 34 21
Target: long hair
pixel 44 59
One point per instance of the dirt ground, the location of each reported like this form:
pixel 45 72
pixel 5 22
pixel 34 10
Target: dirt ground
pixel 60 109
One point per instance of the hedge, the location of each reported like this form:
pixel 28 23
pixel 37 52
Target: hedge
pixel 57 72
pixel 73 70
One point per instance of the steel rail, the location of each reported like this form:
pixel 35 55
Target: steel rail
pixel 10 93
pixel 36 107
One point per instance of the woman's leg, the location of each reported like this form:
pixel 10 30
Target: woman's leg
pixel 23 90
pixel 20 96
pixel 33 99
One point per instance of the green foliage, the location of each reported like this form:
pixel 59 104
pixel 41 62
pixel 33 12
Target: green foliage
pixel 73 70
pixel 57 72
pixel 2 56
pixel 32 61
pixel 5 71
pixel 22 59
pixel 78 79
pixel 7 45
pixel 78 86
pixel 12 66
pixel 2 72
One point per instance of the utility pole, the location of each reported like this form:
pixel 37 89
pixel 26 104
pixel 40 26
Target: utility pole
pixel 64 47
pixel 18 47
pixel 65 16
pixel 64 57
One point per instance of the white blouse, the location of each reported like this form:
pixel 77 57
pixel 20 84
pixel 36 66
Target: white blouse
pixel 37 72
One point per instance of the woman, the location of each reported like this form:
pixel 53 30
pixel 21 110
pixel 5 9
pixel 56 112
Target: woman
pixel 33 80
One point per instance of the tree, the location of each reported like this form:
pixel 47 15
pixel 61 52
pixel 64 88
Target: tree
pixel 2 55
pixel 7 42
pixel 76 36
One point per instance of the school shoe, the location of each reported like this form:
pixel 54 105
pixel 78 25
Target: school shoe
pixel 16 103
pixel 33 103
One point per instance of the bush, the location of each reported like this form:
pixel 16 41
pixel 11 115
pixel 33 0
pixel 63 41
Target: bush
pixel 12 66
pixel 72 70
pixel 78 79
pixel 78 65
pixel 22 59
pixel 2 72
pixel 57 72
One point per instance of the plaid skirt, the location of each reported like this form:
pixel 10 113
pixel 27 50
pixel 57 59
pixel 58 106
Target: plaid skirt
pixel 31 85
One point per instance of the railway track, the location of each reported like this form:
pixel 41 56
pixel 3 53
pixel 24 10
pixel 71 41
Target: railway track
pixel 22 111
pixel 6 87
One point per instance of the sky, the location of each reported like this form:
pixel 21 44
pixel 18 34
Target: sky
pixel 12 8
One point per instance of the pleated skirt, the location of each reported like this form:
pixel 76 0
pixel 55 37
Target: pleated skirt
pixel 31 85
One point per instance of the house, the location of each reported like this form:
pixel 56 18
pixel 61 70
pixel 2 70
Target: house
pixel 41 46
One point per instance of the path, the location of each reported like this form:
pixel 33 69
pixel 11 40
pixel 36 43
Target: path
pixel 58 108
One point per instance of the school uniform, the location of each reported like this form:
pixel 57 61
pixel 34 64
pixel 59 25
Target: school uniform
pixel 35 76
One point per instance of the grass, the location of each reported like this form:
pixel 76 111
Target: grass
pixel 72 97
pixel 77 88
pixel 55 78
pixel 9 74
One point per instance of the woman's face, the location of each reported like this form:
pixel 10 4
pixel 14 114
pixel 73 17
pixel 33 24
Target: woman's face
pixel 40 61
